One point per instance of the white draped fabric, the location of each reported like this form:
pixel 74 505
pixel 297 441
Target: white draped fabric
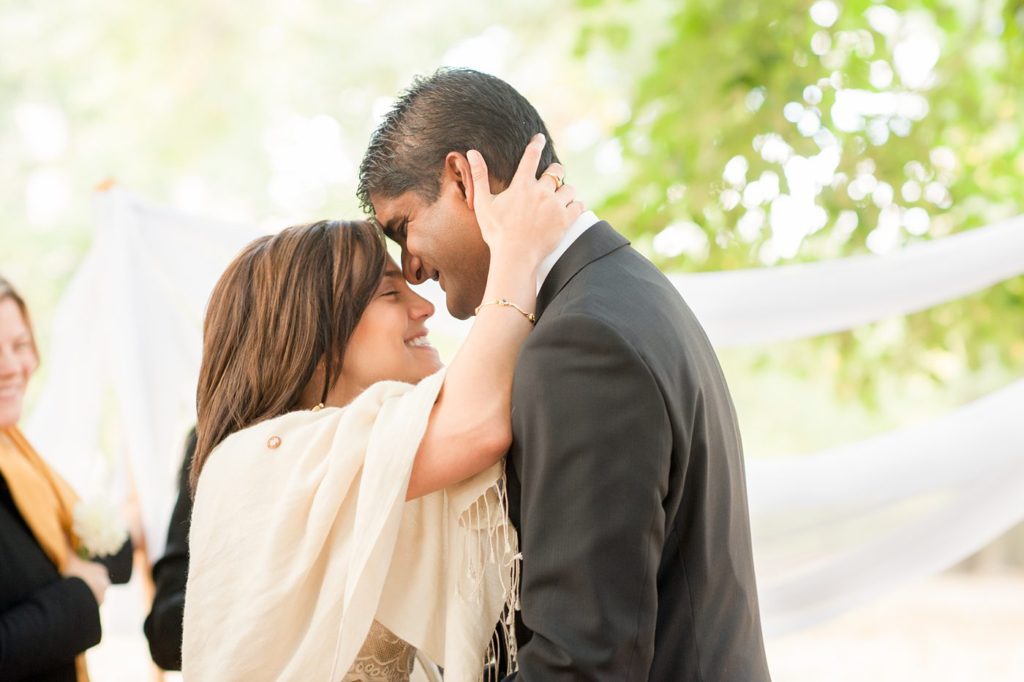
pixel 831 529
pixel 835 528
pixel 747 307
pixel 123 364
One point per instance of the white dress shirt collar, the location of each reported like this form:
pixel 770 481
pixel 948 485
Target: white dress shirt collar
pixel 576 230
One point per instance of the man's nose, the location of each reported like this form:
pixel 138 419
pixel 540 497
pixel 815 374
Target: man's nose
pixel 412 268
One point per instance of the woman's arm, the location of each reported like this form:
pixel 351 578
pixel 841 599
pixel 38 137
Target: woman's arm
pixel 470 427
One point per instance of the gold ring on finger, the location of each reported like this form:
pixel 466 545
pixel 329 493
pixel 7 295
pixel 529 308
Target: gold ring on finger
pixel 558 181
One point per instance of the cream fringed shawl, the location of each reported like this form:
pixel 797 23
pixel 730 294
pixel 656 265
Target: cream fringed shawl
pixel 296 549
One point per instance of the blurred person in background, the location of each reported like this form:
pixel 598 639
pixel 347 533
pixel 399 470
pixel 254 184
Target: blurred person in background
pixel 170 573
pixel 49 596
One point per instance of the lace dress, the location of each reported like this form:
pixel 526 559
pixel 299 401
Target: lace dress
pixel 385 657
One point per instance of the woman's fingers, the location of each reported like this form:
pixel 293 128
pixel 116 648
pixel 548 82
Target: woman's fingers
pixel 482 196
pixel 575 209
pixel 565 194
pixel 531 214
pixel 555 175
pixel 527 169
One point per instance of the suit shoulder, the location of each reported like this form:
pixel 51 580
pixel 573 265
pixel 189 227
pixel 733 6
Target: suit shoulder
pixel 629 293
pixel 579 327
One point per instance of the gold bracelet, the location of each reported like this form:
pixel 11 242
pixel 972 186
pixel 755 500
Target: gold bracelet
pixel 505 303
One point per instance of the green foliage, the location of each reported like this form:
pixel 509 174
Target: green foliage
pixel 902 151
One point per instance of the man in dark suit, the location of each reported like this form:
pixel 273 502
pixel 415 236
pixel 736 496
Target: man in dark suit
pixel 626 476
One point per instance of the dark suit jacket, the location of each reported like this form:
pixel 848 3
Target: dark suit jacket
pixel 626 482
pixel 164 623
pixel 45 619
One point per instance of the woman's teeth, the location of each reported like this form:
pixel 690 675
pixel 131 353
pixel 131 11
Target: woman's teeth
pixel 418 342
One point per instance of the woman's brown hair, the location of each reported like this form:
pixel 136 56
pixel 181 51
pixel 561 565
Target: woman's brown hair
pixel 7 290
pixel 286 306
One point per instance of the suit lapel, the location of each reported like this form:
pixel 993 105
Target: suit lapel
pixel 597 242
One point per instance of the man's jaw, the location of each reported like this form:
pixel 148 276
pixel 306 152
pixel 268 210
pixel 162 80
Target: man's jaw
pixel 457 311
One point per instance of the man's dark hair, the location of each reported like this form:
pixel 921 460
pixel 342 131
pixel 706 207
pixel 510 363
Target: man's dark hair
pixel 451 110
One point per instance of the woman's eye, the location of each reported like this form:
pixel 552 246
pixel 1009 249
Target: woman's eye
pixel 391 293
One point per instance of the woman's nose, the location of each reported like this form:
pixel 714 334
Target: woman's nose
pixel 421 308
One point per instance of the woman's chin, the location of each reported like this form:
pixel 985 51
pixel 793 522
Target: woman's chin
pixel 10 413
pixel 429 366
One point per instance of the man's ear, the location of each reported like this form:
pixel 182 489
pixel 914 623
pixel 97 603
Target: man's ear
pixel 457 171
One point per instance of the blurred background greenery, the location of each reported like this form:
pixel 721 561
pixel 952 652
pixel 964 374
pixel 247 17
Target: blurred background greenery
pixel 717 134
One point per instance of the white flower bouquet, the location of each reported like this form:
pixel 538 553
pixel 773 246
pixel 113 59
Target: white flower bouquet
pixel 100 529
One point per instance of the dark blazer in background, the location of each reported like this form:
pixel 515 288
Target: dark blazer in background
pixel 626 482
pixel 119 566
pixel 164 622
pixel 45 619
